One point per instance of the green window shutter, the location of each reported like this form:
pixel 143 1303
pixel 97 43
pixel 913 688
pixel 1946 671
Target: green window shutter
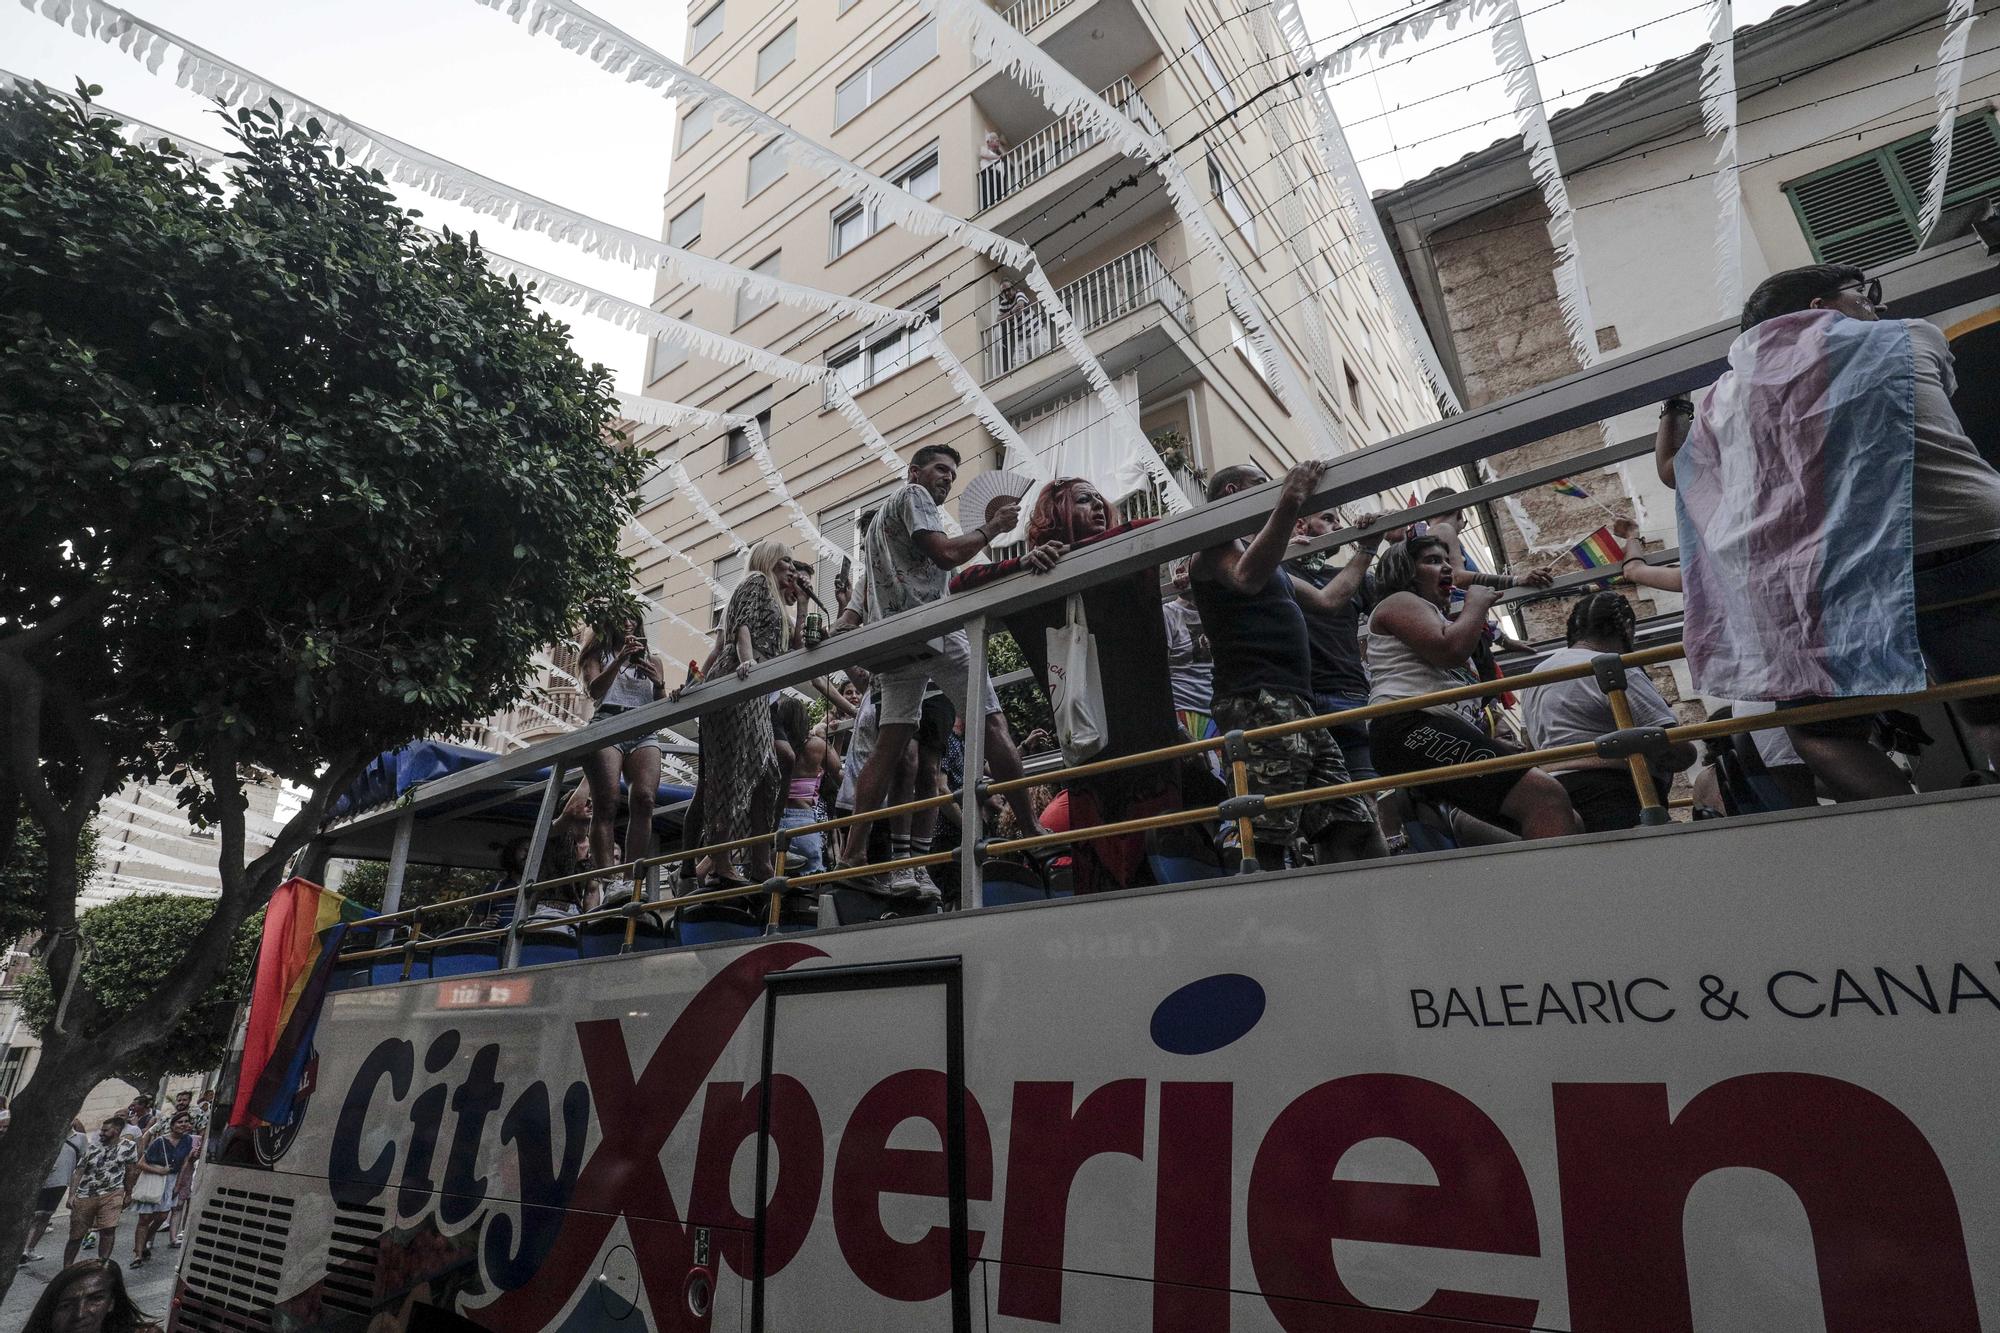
pixel 1864 211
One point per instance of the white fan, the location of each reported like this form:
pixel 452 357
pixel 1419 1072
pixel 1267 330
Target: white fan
pixel 979 495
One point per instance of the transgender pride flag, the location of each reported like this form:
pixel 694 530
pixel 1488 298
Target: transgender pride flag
pixel 1793 497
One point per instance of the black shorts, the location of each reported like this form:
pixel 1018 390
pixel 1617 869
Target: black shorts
pixel 935 723
pixel 1414 742
pixel 1604 798
pixel 50 1199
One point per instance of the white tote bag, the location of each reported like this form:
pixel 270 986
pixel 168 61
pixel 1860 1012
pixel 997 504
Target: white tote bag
pixel 1076 689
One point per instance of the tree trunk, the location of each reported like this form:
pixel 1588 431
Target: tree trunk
pixel 64 1076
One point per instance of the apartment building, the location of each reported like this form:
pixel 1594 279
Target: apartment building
pixel 891 88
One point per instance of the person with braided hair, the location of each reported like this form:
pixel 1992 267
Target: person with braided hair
pixel 1573 711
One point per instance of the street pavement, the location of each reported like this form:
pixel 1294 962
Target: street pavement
pixel 151 1286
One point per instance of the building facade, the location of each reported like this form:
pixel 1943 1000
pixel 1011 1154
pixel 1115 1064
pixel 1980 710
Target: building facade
pixel 1835 109
pixel 890 88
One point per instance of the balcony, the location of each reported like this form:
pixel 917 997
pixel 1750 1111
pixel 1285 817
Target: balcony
pixel 1133 280
pixel 1054 144
pixel 1027 15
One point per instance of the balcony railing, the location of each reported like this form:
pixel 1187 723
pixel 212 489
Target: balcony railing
pixel 1027 15
pixel 1093 300
pixel 1054 144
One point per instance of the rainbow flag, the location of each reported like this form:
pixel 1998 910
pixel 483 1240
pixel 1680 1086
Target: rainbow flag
pixel 303 930
pixel 1599 549
pixel 1564 486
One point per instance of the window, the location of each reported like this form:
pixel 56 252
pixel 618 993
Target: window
pixel 1239 338
pixel 862 89
pixel 696 121
pixel 1864 211
pixel 685 229
pixel 852 225
pixel 1232 202
pixel 842 526
pixel 749 307
pixel 1353 387
pixel 665 358
pixel 777 53
pixel 855 222
pixel 705 29
pixel 1209 68
pixel 738 444
pixel 862 364
pixel 767 164
pixel 657 486
pixel 726 572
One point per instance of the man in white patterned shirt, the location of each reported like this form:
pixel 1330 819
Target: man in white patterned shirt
pixel 97 1192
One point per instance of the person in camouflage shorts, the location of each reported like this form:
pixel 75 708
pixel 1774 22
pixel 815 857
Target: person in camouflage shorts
pixel 1254 614
pixel 1290 763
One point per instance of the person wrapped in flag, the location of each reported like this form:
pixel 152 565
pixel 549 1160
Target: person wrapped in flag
pixel 1839 533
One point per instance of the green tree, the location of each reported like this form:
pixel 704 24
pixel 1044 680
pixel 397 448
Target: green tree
pixel 1024 703
pixel 132 945
pixel 21 872
pixel 286 480
pixel 423 886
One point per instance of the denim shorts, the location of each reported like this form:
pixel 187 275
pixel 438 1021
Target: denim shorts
pixel 649 741
pixel 1353 737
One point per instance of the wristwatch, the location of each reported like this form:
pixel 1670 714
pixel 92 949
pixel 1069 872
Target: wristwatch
pixel 1679 405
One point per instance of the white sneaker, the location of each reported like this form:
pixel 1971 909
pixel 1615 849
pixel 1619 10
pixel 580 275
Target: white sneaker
pixel 905 884
pixel 926 886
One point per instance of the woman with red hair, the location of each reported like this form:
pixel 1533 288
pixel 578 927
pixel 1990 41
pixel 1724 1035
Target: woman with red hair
pixel 1125 619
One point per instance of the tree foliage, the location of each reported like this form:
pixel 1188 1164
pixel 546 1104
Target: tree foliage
pixel 130 946
pixel 423 885
pixel 22 872
pixel 328 481
pixel 286 480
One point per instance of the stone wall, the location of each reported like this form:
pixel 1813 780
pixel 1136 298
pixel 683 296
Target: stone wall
pixel 1497 272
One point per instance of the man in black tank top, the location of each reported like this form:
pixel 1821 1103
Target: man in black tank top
pixel 1263 674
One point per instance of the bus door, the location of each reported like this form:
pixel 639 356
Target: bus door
pixel 861 1186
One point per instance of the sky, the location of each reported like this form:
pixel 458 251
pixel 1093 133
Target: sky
pixel 461 81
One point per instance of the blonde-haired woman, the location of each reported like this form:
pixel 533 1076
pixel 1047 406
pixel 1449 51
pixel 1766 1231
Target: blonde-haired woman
pixel 745 784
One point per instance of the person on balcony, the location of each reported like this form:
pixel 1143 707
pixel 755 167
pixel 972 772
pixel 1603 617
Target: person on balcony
pixel 909 557
pixel 1572 711
pixel 1253 612
pixel 1839 533
pixel 1134 652
pixel 1415 649
pixel 620 673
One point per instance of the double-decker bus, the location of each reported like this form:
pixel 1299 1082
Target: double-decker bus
pixel 1733 1075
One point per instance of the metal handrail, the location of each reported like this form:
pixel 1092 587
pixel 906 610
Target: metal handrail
pixel 1056 143
pixel 1106 293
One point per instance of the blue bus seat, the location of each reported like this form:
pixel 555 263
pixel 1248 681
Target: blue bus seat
pixel 1003 883
pixel 547 944
pixel 715 923
pixel 455 959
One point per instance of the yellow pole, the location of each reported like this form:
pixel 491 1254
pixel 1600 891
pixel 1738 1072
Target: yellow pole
pixel 1650 809
pixel 1246 833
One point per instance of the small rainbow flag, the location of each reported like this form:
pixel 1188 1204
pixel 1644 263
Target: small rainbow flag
pixel 1599 549
pixel 1564 486
pixel 303 929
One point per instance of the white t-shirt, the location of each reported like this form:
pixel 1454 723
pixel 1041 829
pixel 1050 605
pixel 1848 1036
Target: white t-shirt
pixel 1573 711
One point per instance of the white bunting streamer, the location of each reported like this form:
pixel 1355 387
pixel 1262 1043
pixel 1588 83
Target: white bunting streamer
pixel 210 75
pixel 983 408
pixel 1718 122
pixel 1382 40
pixel 1510 49
pixel 1950 72
pixel 1364 225
pixel 670 416
pixel 618 52
pixel 646 535
pixel 774 482
pixel 678 473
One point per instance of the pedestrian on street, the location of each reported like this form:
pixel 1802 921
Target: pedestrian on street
pixel 97 1198
pixel 164 1156
pixel 55 1185
pixel 88 1298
